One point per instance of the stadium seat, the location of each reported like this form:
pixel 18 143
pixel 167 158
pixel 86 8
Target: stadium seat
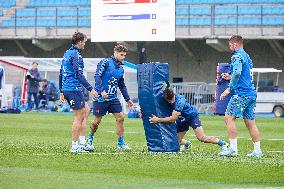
pixel 59 3
pixel 46 12
pixel 182 10
pixel 84 23
pixel 273 20
pixel 46 22
pixel 67 12
pixel 25 23
pixel 8 23
pixel 249 10
pixel 7 3
pixel 1 13
pixel 25 12
pixel 67 23
pixel 219 21
pixel 249 20
pixel 222 10
pixel 84 12
pixel 182 21
pixel 273 10
pixel 191 2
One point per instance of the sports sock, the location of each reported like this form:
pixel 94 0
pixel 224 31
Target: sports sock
pixel 91 138
pixel 82 139
pixel 234 144
pixel 74 143
pixel 120 140
pixel 256 146
pixel 221 142
pixel 187 143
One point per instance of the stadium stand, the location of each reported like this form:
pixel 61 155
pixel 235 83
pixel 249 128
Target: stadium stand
pixel 211 15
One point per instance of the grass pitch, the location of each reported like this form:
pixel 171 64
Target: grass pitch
pixel 34 153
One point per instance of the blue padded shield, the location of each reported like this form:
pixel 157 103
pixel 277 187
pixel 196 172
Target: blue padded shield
pixel 151 78
pixel 222 85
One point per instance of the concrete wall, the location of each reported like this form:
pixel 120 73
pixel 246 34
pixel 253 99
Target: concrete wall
pixel 200 67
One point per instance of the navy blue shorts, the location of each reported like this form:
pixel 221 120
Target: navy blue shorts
pixel 75 99
pixel 112 106
pixel 183 124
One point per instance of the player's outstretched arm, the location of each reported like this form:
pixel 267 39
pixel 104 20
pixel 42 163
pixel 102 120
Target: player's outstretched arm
pixel 172 118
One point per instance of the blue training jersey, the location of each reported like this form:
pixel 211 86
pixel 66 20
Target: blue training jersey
pixel 241 75
pixel 71 76
pixel 109 77
pixel 181 105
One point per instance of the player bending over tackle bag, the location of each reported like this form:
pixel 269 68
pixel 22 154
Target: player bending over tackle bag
pixel 185 115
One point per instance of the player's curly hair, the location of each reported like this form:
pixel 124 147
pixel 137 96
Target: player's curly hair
pixel 77 37
pixel 168 94
pixel 120 48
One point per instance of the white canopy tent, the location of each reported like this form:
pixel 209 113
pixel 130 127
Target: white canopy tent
pixel 49 69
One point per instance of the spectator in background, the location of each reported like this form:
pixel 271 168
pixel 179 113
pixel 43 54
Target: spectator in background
pixel 33 79
pixel 48 92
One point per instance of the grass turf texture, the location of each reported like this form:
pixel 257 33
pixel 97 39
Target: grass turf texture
pixel 34 153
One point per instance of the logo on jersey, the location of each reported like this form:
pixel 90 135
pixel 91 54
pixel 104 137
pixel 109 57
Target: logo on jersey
pixel 72 102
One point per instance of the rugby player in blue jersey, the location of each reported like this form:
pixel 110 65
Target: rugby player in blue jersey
pixel 109 77
pixel 242 103
pixel 71 81
pixel 185 115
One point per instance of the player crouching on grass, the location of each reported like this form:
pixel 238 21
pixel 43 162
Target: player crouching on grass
pixel 185 115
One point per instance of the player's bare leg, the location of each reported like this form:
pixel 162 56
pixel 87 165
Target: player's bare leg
pixel 82 139
pixel 120 131
pixel 232 134
pixel 184 144
pixel 77 123
pixel 93 128
pixel 200 135
pixel 254 133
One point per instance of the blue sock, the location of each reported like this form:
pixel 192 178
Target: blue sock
pixel 221 142
pixel 120 140
pixel 91 138
pixel 187 143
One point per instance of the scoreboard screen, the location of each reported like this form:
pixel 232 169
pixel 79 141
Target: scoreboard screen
pixel 132 20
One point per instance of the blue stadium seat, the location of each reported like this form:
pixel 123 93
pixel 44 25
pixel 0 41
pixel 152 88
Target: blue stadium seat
pixel 204 10
pixel 196 21
pixel 231 20
pixel 249 20
pixel 273 20
pixel 7 3
pixel 46 12
pixel 222 10
pixel 25 12
pixel 200 10
pixel 67 23
pixel 1 13
pixel 8 23
pixel 84 12
pixel 182 21
pixel 182 10
pixel 84 23
pixel 249 10
pixel 66 12
pixel 200 21
pixel 194 2
pixel 25 23
pixel 46 22
pixel 273 10
pixel 59 3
